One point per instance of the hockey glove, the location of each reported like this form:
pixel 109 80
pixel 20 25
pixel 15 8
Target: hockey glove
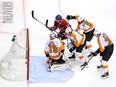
pixel 70 17
pixel 96 52
pixel 51 28
pixel 62 52
pixel 47 55
pixel 72 49
pixel 93 54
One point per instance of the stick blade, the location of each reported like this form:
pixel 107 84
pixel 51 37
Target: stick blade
pixel 32 13
pixel 47 22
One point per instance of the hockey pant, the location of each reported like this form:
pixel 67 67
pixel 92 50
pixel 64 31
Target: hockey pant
pixel 79 49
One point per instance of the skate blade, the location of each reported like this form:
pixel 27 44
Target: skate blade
pixel 99 69
pixel 105 77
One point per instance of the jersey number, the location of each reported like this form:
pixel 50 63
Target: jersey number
pixel 53 48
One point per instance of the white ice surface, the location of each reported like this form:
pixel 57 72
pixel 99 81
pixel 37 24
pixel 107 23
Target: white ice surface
pixel 100 12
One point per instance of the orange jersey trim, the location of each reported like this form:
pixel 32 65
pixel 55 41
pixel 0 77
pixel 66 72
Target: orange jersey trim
pixel 76 43
pixel 81 57
pixel 91 26
pixel 105 67
pixel 82 40
pixel 55 57
pixel 100 47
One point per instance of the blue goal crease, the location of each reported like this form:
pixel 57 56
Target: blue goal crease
pixel 39 74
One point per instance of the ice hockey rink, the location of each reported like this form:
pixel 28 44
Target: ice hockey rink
pixel 102 13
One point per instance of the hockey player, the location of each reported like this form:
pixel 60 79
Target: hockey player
pixel 54 50
pixel 77 43
pixel 105 49
pixel 87 27
pixel 62 24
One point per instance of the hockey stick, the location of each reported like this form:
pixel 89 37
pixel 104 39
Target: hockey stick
pixel 49 66
pixel 68 62
pixel 87 62
pixel 46 24
pixel 38 20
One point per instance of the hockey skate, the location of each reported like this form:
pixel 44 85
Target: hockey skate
pixel 49 66
pixel 72 57
pixel 50 69
pixel 105 75
pixel 55 66
pixel 84 65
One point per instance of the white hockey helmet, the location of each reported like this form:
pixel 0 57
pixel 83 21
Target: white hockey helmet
pixel 81 20
pixel 97 33
pixel 68 30
pixel 52 36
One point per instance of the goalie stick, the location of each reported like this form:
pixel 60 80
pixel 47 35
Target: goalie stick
pixel 87 63
pixel 68 62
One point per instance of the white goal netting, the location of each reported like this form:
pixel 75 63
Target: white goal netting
pixel 15 64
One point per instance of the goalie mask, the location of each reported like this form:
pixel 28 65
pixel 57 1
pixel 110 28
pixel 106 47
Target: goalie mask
pixel 52 36
pixel 96 33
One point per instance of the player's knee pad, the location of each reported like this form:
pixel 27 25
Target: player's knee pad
pixel 88 45
pixel 80 55
pixel 71 47
pixel 104 63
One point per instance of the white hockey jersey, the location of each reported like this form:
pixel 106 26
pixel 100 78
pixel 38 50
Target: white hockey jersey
pixel 86 26
pixel 103 41
pixel 77 38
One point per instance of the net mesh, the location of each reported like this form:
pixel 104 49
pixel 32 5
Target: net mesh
pixel 13 65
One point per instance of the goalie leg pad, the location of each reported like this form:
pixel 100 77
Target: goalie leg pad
pixel 59 67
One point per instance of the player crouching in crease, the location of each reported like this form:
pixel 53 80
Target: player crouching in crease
pixel 78 42
pixel 54 50
pixel 105 49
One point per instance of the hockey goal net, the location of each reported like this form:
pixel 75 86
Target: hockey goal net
pixel 15 64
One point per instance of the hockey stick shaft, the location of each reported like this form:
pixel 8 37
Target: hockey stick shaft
pixel 46 24
pixel 68 62
pixel 87 63
pixel 37 19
